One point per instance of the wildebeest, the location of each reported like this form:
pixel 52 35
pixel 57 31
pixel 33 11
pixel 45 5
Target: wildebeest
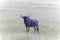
pixel 30 23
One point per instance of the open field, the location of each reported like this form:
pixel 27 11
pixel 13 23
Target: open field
pixel 13 28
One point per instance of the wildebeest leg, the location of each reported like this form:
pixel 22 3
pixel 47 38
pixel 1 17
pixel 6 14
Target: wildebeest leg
pixel 34 29
pixel 37 29
pixel 27 29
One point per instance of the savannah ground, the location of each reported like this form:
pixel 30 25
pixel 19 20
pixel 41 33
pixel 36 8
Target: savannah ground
pixel 12 26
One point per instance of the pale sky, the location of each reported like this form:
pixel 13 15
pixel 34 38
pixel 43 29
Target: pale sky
pixel 31 1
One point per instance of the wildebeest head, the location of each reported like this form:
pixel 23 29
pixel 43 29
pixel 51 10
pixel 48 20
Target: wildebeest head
pixel 25 18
